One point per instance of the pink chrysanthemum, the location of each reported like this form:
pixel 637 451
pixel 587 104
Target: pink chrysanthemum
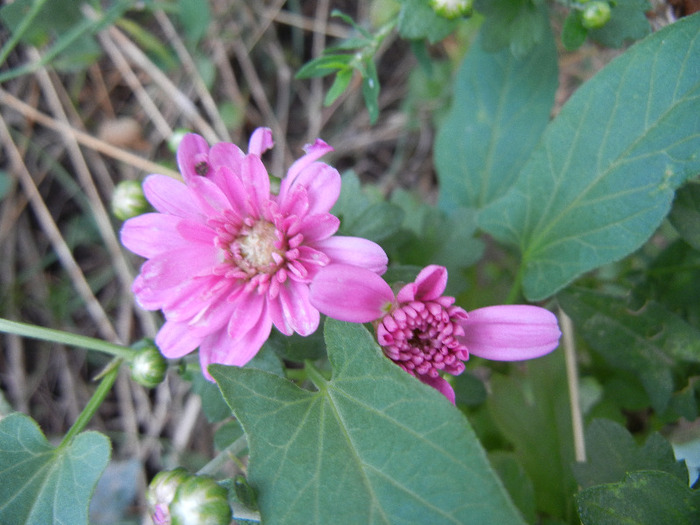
pixel 422 330
pixel 227 259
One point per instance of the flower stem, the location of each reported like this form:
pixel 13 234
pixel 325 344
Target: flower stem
pixel 94 404
pixel 514 292
pixel 572 378
pixel 67 338
pixel 222 457
pixel 315 375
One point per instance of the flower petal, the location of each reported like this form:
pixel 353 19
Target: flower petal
pixel 150 234
pixel 192 151
pixel 298 311
pixel 168 195
pixel 322 184
pixel 319 227
pixel 313 152
pixel 431 282
pixel 175 266
pixel 350 293
pixel 222 349
pixel 260 141
pixel 176 339
pixel 510 332
pixel 354 251
pixel 440 384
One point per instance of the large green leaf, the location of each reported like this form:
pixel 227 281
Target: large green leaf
pixel 604 175
pixel 372 445
pixel 646 497
pixel 43 484
pixel 499 111
pixel 649 342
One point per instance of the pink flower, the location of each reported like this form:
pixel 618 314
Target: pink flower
pixel 227 259
pixel 422 330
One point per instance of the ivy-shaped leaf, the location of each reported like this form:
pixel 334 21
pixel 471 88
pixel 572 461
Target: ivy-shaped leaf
pixel 43 484
pixel 499 110
pixel 604 174
pixel 372 445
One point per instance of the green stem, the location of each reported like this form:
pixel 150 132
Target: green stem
pixel 315 375
pixel 94 404
pixel 514 293
pixel 222 457
pixel 67 338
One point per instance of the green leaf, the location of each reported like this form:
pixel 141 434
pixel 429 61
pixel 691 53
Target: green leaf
pixel 604 174
pixel 685 214
pixel 340 84
pixel 370 90
pixel 643 498
pixel 417 20
pixel 649 342
pixel 195 18
pixel 372 445
pixel 531 409
pixel 628 22
pixel 43 484
pixel 499 111
pixel 516 481
pixel 611 453
pixel 324 65
pixel 364 218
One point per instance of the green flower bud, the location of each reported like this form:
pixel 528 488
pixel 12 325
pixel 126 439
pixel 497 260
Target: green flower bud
pixel 200 500
pixel 161 492
pixel 128 200
pixel 452 9
pixel 148 367
pixel 595 15
pixel 176 138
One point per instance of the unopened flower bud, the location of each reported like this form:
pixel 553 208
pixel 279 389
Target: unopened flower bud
pixel 176 138
pixel 452 9
pixel 200 500
pixel 595 15
pixel 161 492
pixel 148 367
pixel 128 200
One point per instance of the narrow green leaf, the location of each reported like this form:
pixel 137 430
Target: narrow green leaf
pixel 324 65
pixel 611 452
pixel 646 497
pixel 372 445
pixel 499 111
pixel 531 409
pixel 604 175
pixel 340 84
pixel 43 484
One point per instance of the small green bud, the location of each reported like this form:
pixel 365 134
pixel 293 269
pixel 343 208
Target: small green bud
pixel 452 9
pixel 200 500
pixel 128 200
pixel 161 492
pixel 595 15
pixel 148 367
pixel 176 138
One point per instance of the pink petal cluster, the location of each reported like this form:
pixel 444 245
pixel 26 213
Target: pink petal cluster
pixel 228 259
pixel 422 330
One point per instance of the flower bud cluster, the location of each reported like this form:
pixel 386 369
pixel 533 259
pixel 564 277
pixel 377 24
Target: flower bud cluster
pixel 176 497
